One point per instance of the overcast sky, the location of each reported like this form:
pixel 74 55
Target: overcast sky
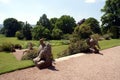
pixel 31 10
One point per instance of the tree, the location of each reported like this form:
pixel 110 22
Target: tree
pixel 111 16
pixel 53 22
pixel 44 21
pixel 2 30
pixel 21 24
pixel 56 33
pixel 94 25
pixel 81 22
pixel 84 31
pixel 11 25
pixel 66 24
pixel 46 33
pixel 27 31
pixel 37 32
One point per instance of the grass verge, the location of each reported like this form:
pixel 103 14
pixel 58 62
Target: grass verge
pixel 109 43
pixel 9 63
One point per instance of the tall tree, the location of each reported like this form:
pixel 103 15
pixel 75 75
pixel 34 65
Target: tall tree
pixel 94 25
pixel 44 21
pixel 111 16
pixel 27 31
pixel 66 24
pixel 39 32
pixel 53 22
pixel 11 25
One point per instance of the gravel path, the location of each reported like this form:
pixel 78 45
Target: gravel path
pixel 85 67
pixel 19 53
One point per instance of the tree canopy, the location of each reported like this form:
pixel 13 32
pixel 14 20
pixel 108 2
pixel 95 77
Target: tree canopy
pixel 94 25
pixel 111 16
pixel 44 21
pixel 11 25
pixel 27 31
pixel 66 24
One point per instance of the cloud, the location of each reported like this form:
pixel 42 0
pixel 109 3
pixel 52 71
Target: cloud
pixel 90 1
pixel 5 1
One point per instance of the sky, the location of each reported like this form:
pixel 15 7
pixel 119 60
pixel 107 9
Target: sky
pixel 32 10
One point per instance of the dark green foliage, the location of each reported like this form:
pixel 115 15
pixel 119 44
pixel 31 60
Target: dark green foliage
pixel 2 30
pixel 84 31
pixel 30 54
pixel 44 21
pixel 66 24
pixel 74 48
pixel 40 31
pixel 94 25
pixel 37 32
pixel 115 31
pixel 77 47
pixel 46 33
pixel 81 22
pixel 111 17
pixel 26 30
pixel 11 25
pixel 53 22
pixel 77 44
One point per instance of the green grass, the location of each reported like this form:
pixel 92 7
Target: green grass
pixel 14 40
pixel 58 49
pixel 109 43
pixel 24 43
pixel 9 63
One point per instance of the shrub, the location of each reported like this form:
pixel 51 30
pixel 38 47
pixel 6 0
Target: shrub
pixel 56 34
pixel 96 36
pixel 19 35
pixel 29 54
pixel 75 47
pixel 78 46
pixel 7 46
pixel 66 36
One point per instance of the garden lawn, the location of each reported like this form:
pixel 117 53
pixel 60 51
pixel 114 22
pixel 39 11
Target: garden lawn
pixel 9 63
pixel 58 49
pixel 109 43
pixel 14 40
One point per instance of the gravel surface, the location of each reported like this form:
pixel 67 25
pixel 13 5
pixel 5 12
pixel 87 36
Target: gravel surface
pixel 85 67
